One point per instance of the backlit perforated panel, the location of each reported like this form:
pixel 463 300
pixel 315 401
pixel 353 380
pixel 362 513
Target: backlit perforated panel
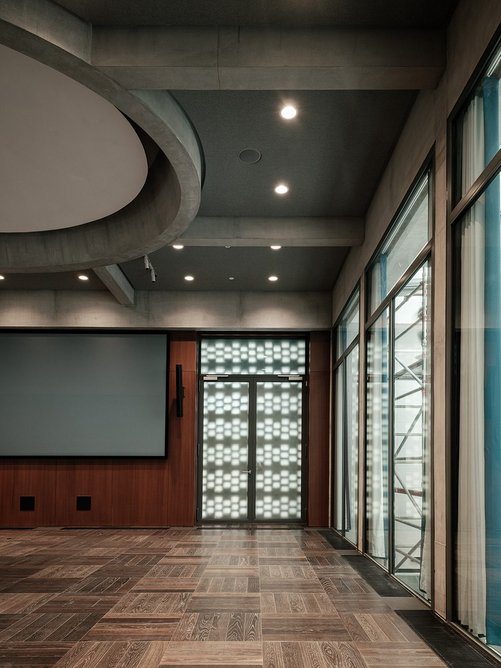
pixel 278 451
pixel 253 356
pixel 225 451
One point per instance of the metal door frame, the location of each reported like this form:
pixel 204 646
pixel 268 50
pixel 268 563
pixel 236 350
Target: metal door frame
pixel 253 380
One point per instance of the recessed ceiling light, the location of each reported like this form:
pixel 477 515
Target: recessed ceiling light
pixel 83 277
pixel 178 246
pixel 2 277
pixel 231 278
pixel 273 278
pixel 288 112
pixel 227 246
pixel 275 247
pixel 281 189
pixel 189 278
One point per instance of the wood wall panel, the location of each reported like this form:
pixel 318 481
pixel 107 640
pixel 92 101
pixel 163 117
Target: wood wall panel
pixel 318 429
pixel 156 492
pixel 125 492
pixel 84 478
pixel 36 478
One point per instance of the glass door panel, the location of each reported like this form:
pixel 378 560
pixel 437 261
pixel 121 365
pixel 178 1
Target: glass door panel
pixel 410 419
pixel 278 450
pixel 225 451
pixel 377 439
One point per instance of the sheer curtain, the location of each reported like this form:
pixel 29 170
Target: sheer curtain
pixel 471 549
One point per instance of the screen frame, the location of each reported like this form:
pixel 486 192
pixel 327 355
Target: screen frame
pixel 99 331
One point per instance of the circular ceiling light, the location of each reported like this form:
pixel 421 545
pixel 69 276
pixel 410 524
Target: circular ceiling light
pixel 2 277
pixel 178 246
pixel 275 247
pixel 250 155
pixel 83 277
pixel 231 278
pixel 189 278
pixel 273 278
pixel 281 189
pixel 288 112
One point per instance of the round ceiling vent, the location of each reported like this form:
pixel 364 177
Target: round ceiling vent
pixel 250 155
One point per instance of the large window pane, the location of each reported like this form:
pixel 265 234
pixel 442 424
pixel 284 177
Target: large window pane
pixel 377 439
pixel 408 236
pixel 478 321
pixel 411 462
pixel 347 329
pixel 339 447
pixel 346 452
pixel 477 130
pixel 351 450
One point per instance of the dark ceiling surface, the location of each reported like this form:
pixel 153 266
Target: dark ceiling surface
pixel 331 155
pixel 276 13
pixel 300 269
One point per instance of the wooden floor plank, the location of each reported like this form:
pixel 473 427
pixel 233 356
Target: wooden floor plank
pixel 154 598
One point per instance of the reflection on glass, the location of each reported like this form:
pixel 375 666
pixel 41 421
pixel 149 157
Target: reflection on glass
pixel 253 356
pixel 377 439
pixel 478 544
pixel 225 477
pixel 477 130
pixel 278 451
pixel 351 447
pixel 411 465
pixel 339 448
pixel 347 329
pixel 408 236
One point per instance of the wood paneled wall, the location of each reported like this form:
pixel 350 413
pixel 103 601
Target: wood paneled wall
pixel 318 428
pixel 145 492
pixel 135 492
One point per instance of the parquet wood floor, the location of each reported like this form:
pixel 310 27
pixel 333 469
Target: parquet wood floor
pixel 194 598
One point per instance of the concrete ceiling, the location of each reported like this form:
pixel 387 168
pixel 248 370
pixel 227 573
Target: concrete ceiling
pixel 286 13
pixel 322 154
pixel 301 269
pixel 68 156
pixel 353 93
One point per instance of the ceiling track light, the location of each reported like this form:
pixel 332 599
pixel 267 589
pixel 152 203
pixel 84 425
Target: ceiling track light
pixel 149 267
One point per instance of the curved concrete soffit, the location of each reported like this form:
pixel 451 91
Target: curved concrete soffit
pixel 170 198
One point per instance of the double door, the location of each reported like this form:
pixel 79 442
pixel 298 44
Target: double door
pixel 251 450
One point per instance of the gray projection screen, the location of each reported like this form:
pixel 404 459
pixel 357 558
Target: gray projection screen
pixel 83 395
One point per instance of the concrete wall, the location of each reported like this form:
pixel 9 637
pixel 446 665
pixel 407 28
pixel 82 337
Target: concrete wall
pixel 472 27
pixel 173 310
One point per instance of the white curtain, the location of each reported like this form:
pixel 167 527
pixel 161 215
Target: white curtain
pixel 471 575
pixel 425 577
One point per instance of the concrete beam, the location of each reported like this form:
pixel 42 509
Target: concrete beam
pixel 223 311
pixel 268 231
pixel 269 59
pixel 171 196
pixel 117 283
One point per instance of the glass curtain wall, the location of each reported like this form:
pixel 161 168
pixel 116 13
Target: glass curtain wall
pixel 477 363
pixel 398 533
pixel 377 445
pixel 345 492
